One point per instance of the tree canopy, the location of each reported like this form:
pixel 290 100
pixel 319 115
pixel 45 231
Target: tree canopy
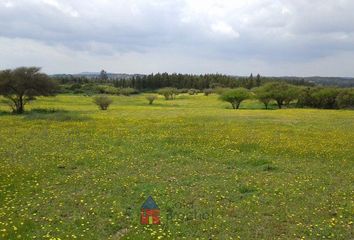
pixel 21 85
pixel 235 96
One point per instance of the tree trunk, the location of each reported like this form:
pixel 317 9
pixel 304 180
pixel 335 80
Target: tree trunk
pixel 279 104
pixel 238 105
pixel 19 105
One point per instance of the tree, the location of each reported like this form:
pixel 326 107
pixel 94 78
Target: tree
pixel 103 75
pixel 24 84
pixel 235 96
pixel 326 97
pixel 279 91
pixel 258 80
pixel 249 83
pixel 292 93
pixel 263 96
pixel 345 98
pixel 305 97
pixel 151 98
pixel 102 101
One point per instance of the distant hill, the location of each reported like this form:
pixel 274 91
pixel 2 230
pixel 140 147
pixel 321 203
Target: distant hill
pixel 326 81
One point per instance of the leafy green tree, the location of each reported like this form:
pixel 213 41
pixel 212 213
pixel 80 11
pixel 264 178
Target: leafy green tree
pixel 305 98
pixel 345 98
pixel 326 97
pixel 279 91
pixel 235 96
pixel 21 85
pixel 102 101
pixel 263 96
pixel 293 93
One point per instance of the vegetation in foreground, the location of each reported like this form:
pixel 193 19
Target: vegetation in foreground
pixel 215 173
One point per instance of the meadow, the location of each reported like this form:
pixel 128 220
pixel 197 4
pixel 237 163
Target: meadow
pixel 215 172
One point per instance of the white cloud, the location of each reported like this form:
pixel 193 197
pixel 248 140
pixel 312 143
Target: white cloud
pixel 223 35
pixel 66 9
pixel 7 4
pixel 225 30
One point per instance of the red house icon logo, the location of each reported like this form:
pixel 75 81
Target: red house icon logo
pixel 149 212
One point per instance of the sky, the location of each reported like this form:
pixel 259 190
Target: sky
pixel 236 37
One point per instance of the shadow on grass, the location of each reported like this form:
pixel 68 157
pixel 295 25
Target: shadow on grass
pixel 5 113
pixel 54 115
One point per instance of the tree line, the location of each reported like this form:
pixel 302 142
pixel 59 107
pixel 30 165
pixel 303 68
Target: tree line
pixel 180 81
pixel 22 85
pixel 284 94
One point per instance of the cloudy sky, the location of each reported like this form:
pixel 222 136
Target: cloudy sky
pixel 270 37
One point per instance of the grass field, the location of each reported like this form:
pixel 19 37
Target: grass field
pixel 215 173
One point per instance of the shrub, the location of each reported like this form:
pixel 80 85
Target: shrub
pixel 75 86
pixel 151 98
pixel 208 91
pixel 192 91
pixel 345 98
pixel 102 101
pixel 105 89
pixel 78 91
pixel 168 93
pixel 221 90
pixel 235 96
pixel 182 90
pixel 127 91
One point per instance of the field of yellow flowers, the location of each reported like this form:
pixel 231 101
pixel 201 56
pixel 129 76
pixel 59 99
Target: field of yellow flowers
pixel 214 172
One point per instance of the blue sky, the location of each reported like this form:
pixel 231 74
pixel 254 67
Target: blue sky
pixel 270 37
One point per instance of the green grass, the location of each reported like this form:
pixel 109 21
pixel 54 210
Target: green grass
pixel 216 173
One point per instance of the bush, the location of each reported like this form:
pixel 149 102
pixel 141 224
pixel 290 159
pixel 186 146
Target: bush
pixel 102 101
pixel 235 96
pixel 75 86
pixel 345 98
pixel 182 90
pixel 151 98
pixel 168 93
pixel 193 91
pixel 208 91
pixel 127 91
pixel 221 90
pixel 105 89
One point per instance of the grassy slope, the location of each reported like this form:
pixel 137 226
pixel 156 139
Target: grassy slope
pixel 224 174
